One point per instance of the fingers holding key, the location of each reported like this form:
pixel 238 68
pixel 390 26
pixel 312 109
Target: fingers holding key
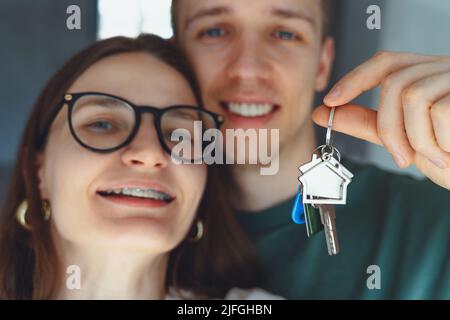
pixel 402 124
pixel 440 117
pixel 408 121
pixel 370 74
pixel 351 119
pixel 423 101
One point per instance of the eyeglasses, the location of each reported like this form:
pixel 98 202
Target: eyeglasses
pixel 105 123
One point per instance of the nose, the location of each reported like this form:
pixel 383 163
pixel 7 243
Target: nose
pixel 145 150
pixel 247 61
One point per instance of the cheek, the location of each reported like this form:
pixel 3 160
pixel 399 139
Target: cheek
pixel 208 64
pixel 68 173
pixel 192 181
pixel 70 166
pixel 296 81
pixel 301 68
pixel 207 70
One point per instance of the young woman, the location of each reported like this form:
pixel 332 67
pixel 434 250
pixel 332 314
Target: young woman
pixel 95 195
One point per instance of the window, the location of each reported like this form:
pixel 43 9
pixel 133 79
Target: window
pixel 132 17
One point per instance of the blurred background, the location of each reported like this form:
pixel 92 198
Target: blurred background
pixel 35 42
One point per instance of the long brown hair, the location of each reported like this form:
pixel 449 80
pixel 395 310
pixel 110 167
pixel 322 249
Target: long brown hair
pixel 29 266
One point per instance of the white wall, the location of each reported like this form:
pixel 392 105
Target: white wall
pixel 132 17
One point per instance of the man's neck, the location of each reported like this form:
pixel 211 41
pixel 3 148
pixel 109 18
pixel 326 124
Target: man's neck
pixel 252 191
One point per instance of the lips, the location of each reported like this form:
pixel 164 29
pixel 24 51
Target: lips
pixel 135 202
pixel 137 194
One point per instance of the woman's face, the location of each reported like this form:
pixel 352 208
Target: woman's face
pixel 72 176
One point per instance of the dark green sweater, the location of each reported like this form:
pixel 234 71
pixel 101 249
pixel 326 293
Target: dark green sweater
pixel 395 222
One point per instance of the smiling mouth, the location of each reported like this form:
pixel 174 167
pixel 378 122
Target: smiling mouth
pixel 250 110
pixel 137 197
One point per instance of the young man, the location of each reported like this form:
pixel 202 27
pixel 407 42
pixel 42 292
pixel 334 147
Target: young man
pixel 260 63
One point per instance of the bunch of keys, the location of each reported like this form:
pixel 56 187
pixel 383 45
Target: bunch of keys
pixel 324 183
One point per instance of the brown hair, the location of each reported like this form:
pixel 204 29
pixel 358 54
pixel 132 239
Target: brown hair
pixel 326 6
pixel 29 267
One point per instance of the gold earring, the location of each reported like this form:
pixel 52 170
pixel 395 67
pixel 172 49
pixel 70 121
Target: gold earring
pixel 47 210
pixel 200 231
pixel 21 213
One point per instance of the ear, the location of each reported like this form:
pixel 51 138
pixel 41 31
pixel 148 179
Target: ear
pixel 325 64
pixel 41 176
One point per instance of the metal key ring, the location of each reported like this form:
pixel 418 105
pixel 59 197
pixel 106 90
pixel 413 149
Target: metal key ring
pixel 330 128
pixel 328 155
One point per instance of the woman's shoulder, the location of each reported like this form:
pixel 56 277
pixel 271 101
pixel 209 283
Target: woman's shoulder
pixel 251 294
pixel 233 294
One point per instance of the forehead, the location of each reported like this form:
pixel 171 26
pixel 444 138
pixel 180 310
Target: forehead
pixel 308 8
pixel 139 77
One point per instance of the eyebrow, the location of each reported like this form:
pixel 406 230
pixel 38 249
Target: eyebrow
pixel 103 102
pixel 208 12
pixel 284 13
pixel 293 14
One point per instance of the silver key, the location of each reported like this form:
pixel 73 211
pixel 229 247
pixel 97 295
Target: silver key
pixel 325 180
pixel 324 183
pixel 328 220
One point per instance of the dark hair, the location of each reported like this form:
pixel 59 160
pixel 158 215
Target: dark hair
pixel 326 6
pixel 28 259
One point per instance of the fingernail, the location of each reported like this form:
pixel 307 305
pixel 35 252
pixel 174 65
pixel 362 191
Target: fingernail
pixel 399 159
pixel 439 163
pixel 334 93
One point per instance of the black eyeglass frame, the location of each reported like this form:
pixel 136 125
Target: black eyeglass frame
pixel 71 98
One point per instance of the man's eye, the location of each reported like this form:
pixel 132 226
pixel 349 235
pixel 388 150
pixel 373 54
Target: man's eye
pixel 214 33
pixel 285 35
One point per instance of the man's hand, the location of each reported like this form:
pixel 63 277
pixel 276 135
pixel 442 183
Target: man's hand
pixel 413 117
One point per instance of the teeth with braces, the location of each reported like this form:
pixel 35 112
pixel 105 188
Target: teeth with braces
pixel 140 193
pixel 250 109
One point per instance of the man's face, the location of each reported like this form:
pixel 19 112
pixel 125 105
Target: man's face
pixel 258 62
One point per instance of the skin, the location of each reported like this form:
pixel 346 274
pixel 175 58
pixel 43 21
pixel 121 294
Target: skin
pixel 413 117
pixel 261 56
pixel 122 251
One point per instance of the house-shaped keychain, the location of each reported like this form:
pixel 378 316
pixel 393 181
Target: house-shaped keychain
pixel 324 181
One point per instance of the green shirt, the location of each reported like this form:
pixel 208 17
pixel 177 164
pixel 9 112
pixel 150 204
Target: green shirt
pixel 395 222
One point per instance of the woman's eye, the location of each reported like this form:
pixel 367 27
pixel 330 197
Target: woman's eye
pixel 213 33
pixel 285 35
pixel 101 125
